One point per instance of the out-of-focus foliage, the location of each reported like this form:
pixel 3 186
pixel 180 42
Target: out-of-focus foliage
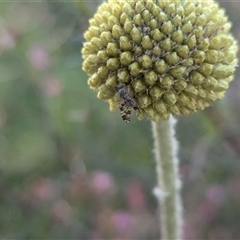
pixel 70 169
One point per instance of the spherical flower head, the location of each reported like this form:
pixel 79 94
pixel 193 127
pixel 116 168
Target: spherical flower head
pixel 174 57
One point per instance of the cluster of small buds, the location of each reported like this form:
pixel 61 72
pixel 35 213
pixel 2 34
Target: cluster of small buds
pixel 174 57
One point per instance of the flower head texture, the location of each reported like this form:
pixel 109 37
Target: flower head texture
pixel 174 57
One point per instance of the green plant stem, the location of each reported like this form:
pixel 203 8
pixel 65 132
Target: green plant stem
pixel 169 184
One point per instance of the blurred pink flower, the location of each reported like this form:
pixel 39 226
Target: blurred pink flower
pixel 62 211
pixel 52 87
pixel 135 195
pixel 43 190
pixel 102 182
pixel 38 58
pixel 215 194
pixel 124 224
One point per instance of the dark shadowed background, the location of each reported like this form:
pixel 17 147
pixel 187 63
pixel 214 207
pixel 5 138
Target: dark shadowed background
pixel 70 169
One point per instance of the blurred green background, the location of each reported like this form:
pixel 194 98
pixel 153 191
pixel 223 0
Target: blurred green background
pixel 70 169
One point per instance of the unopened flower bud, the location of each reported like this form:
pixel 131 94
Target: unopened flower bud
pixel 176 57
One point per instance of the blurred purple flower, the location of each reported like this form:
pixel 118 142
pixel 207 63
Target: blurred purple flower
pixel 38 58
pixel 102 182
pixel 124 223
pixel 215 194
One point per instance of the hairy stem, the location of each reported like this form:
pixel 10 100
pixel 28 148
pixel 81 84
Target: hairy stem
pixel 169 184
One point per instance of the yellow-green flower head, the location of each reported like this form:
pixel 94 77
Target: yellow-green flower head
pixel 174 57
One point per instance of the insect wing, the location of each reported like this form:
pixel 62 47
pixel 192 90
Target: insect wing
pixel 125 111
pixel 126 104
